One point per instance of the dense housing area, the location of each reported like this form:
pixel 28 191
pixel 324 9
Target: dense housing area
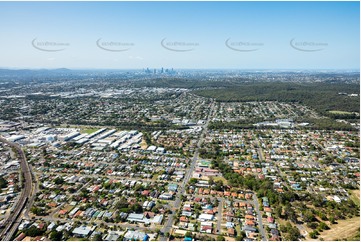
pixel 181 156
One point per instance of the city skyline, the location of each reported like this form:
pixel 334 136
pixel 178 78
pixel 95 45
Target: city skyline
pixel 200 35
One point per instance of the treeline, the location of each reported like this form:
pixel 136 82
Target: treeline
pixel 323 97
pixel 349 116
pixel 231 125
pixel 189 83
pixel 323 124
pixel 142 126
pixel 327 124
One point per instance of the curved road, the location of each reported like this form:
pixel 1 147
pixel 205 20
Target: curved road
pixel 14 218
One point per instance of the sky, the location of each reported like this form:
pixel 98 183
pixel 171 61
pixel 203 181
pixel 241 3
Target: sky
pixel 180 35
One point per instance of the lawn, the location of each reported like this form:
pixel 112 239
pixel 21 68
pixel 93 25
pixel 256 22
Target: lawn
pixel 88 130
pixel 344 229
pixel 76 239
pixel 355 237
pixel 339 112
pixel 217 178
pixel 83 129
pixel 355 196
pixel 143 145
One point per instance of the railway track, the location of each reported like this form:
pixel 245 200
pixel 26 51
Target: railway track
pixel 11 223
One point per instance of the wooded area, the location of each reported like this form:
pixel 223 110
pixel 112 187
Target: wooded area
pixel 323 97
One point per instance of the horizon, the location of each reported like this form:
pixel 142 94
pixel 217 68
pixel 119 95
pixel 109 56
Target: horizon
pixel 175 69
pixel 201 35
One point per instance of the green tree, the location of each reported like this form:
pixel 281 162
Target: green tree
pixel 3 182
pixel 33 231
pixel 193 181
pixel 308 216
pixel 278 211
pixel 137 208
pixel 56 236
pixel 313 234
pixel 312 225
pixel 189 234
pixel 323 226
pixel 241 236
pixel 59 180
pixel 97 237
pixel 220 238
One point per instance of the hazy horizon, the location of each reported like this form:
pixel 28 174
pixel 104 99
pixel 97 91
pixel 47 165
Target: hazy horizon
pixel 177 69
pixel 199 35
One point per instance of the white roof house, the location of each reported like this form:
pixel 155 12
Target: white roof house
pixel 152 148
pixel 137 217
pixel 135 235
pixel 157 219
pixel 205 217
pixel 83 231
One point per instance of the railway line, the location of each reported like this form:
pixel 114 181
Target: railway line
pixel 11 223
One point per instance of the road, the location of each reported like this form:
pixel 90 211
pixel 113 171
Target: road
pixel 255 200
pixel 259 151
pixel 97 222
pixel 22 205
pixel 220 211
pixel 260 224
pixel 255 204
pixel 168 225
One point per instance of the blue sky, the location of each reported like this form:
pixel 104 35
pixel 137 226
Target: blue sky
pixel 267 28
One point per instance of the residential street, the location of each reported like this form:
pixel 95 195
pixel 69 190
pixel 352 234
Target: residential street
pixel 260 224
pixel 219 217
pixel 168 224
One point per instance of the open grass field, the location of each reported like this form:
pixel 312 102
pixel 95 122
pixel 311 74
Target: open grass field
pixel 355 237
pixel 88 130
pixel 76 239
pixel 355 196
pixel 143 145
pixel 340 112
pixel 83 129
pixel 343 230
pixel 217 178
